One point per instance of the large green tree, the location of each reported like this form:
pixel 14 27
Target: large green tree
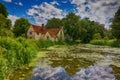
pixel 81 29
pixel 5 25
pixel 3 10
pixel 21 26
pixel 116 25
pixel 71 27
pixel 53 23
pixel 3 21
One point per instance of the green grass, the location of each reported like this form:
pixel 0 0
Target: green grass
pixel 102 42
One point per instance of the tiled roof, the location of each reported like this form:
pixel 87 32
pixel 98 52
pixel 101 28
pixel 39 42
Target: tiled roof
pixel 41 29
pixel 53 32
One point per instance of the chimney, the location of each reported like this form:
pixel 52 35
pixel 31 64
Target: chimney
pixel 43 27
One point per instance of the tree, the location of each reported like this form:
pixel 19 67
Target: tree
pixel 3 10
pixel 71 27
pixel 6 32
pixel 97 36
pixel 5 25
pixel 81 29
pixel 53 23
pixel 8 24
pixel 21 26
pixel 116 25
pixel 99 28
pixel 3 21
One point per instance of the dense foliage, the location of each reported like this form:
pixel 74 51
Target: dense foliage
pixel 3 10
pixel 81 29
pixel 97 36
pixel 14 53
pixel 104 42
pixel 116 25
pixel 71 26
pixel 21 26
pixel 5 26
pixel 54 23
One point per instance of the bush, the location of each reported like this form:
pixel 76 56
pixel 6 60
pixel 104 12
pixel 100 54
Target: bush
pixel 97 36
pixel 45 43
pixel 98 42
pixel 115 43
pixel 112 43
pixel 15 53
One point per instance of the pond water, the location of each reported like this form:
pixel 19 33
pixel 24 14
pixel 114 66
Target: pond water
pixel 77 62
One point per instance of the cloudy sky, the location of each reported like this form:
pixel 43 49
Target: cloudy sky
pixel 39 11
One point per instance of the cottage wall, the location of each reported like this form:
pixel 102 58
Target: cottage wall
pixel 48 37
pixel 30 32
pixel 37 36
pixel 60 35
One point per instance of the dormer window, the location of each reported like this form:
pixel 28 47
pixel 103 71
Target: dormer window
pixel 30 32
pixel 37 33
pixel 47 37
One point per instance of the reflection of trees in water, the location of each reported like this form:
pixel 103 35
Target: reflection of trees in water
pixel 71 65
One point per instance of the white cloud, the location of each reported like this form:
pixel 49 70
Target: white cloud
pixel 55 3
pixel 13 18
pixel 41 13
pixel 97 10
pixel 19 3
pixel 64 1
pixel 7 0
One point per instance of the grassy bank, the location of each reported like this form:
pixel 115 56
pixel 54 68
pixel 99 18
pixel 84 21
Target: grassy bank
pixel 104 42
pixel 17 52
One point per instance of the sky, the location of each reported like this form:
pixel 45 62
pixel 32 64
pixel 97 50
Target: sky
pixel 40 11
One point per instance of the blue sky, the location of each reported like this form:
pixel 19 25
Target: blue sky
pixel 39 11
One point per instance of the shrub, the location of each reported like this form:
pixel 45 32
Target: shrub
pixel 98 42
pixel 45 43
pixel 112 43
pixel 115 43
pixel 97 36
pixel 15 53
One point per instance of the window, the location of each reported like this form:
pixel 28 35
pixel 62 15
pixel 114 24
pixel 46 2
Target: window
pixel 37 33
pixel 30 32
pixel 47 37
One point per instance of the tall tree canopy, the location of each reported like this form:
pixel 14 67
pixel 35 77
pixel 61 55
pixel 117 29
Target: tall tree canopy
pixel 21 26
pixel 53 23
pixel 3 10
pixel 81 29
pixel 5 25
pixel 116 25
pixel 3 21
pixel 70 23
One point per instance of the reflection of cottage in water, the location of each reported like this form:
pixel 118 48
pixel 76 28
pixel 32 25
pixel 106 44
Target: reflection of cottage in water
pixel 41 32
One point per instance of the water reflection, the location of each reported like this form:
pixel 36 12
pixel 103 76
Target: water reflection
pixel 59 73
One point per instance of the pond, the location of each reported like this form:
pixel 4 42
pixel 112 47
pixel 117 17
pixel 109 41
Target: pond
pixel 76 62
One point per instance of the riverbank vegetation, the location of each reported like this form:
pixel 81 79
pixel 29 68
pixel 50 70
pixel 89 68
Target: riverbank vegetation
pixel 103 42
pixel 16 52
pixel 113 35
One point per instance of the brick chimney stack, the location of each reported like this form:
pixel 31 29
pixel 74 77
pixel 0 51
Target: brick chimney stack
pixel 43 27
